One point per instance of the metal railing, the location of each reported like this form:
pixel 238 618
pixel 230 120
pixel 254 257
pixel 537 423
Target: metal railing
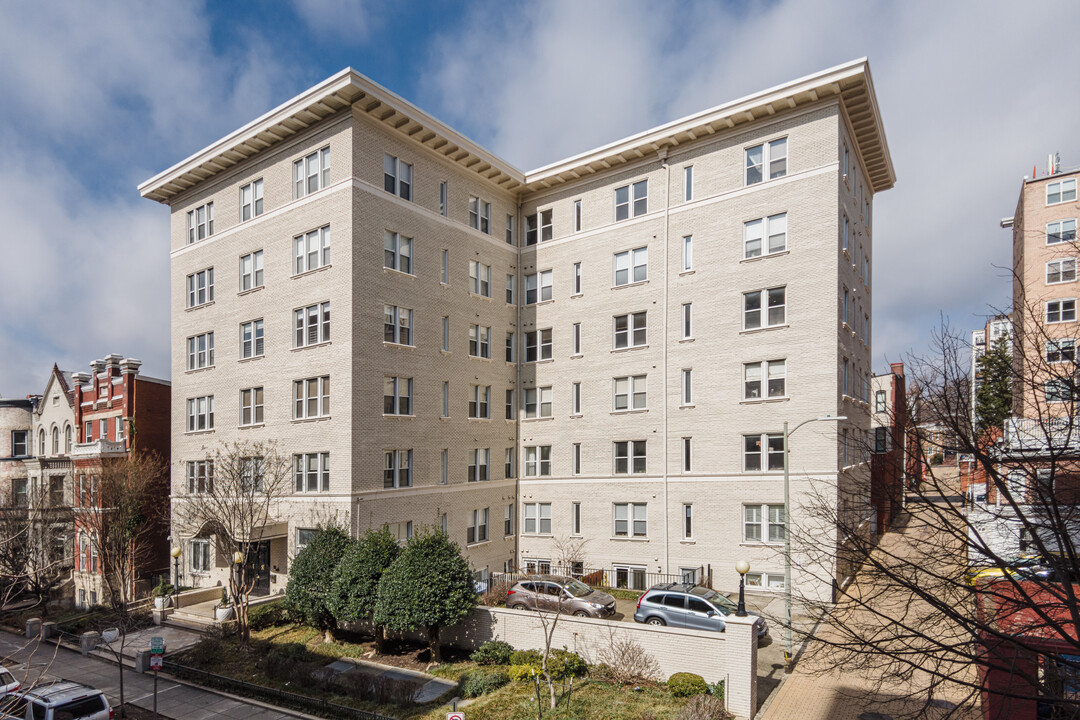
pixel 274 696
pixel 633 579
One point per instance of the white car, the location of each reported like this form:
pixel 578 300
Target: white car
pixel 59 701
pixel 8 683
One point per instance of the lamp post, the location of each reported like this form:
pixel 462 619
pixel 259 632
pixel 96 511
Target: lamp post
pixel 742 567
pixel 176 552
pixel 237 558
pixel 787 535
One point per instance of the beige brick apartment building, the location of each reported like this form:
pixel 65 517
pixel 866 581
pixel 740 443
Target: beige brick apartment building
pixel 606 347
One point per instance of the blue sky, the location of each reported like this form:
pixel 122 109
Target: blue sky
pixel 98 97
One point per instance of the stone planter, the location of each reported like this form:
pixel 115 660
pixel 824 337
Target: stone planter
pixel 162 602
pixel 221 614
pixel 110 635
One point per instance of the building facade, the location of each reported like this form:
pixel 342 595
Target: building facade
pixel 598 353
pixel 891 460
pixel 16 433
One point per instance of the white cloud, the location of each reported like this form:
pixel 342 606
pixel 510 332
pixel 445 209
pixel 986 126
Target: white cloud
pixel 341 19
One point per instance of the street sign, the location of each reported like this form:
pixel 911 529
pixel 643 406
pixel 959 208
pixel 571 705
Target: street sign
pixel 155 662
pixel 157 645
pixel 457 715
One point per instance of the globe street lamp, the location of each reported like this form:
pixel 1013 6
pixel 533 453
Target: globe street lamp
pixel 742 567
pixel 237 558
pixel 787 533
pixel 176 552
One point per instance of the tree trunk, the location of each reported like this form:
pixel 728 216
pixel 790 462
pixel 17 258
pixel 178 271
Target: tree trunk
pixel 380 639
pixel 433 640
pixel 120 664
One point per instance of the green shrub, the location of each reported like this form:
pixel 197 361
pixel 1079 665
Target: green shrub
pixel 267 615
pixel 686 684
pixel 563 663
pixel 717 689
pixel 527 657
pixel 206 653
pixel 493 652
pixel 482 682
pixel 523 672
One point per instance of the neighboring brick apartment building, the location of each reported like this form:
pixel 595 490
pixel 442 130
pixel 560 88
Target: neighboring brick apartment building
pixel 605 347
pixel 16 426
pixel 891 461
pixel 117 410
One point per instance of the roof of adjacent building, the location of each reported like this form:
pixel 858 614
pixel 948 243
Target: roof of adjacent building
pixel 850 84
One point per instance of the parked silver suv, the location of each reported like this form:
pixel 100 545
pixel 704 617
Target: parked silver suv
pixel 59 701
pixel 559 593
pixel 688 606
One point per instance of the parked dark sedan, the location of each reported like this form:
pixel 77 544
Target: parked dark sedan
pixel 558 593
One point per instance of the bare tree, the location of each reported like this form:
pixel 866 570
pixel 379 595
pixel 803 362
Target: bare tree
pixel 570 551
pixel 241 496
pixel 33 533
pixel 549 609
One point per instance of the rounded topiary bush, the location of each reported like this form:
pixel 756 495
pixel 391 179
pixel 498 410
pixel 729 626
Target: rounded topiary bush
pixel 493 652
pixel 523 672
pixel 527 657
pixel 563 663
pixel 687 684
pixel 482 682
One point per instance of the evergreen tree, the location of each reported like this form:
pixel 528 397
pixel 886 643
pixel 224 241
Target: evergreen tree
pixel 309 590
pixel 356 581
pixel 993 399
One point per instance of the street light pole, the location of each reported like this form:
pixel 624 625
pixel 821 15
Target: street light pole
pixel 176 552
pixel 788 656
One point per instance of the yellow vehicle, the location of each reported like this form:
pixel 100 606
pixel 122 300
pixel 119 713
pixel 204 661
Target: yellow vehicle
pixel 975 574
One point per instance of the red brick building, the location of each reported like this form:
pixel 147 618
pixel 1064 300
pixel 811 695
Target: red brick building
pixel 890 459
pixel 117 411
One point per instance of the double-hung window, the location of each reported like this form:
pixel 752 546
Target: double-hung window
pixel 688 183
pixel 538 345
pixel 200 351
pixel 200 556
pixel 508 519
pixel 629 457
pixel 537 460
pixel 537 518
pixel 398 469
pixel 881 402
pixel 200 223
pixel 480 278
pixel 687 321
pixel 575 282
pixel 508 463
pixel 509 229
pixel 539 226
pixel 630 330
pixel 1061 191
pixel 397 396
pixel 772 372
pixel 200 413
pixel 312 324
pixel 575 399
pixel 480 215
pixel 687 386
pixel 1059 271
pixel 442 198
pixel 311 472
pixel 509 347
pixel 397 252
pixel 200 288
pixel 538 287
pixel 771 156
pixel 397 177
pixel 631 520
pixel 311 173
pixel 1060 311
pixel 200 476
pixel 631 200
pixel 577 216
pixel 632 266
pixel 765 450
pixel 479 460
pixel 251 270
pixel 311 250
pixel 1061 231
pixel 630 393
pixel 764 523
pixel 480 402
pixel 538 402
pixel 765 235
pixel 251 406
pixel 251 339
pixel 397 325
pixel 509 289
pixel 20 443
pixel 1058 390
pixel 311 397
pixel 478 529
pixel 480 341
pixel 688 521
pixel 764 308
pixel 251 200
pixel 1061 350
pixel 688 253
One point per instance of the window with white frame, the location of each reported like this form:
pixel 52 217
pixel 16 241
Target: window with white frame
pixel 546 226
pixel 397 252
pixel 304 536
pixel 687 319
pixel 200 413
pixel 575 399
pixel 631 330
pixel 688 253
pixel 200 476
pixel 575 459
pixel 509 347
pixel 480 215
pixel 845 236
pixel 200 223
pixel 771 373
pixel 765 236
pixel 630 393
pixel 538 287
pixel 631 200
pixel 311 173
pixel 1058 390
pixel 442 198
pixel 575 280
pixel 687 451
pixel 251 406
pixel 397 471
pixel 510 407
pixel 509 229
pixel 478 528
pixel 311 250
pixel 509 289
pixel 763 451
pixel 446 333
pixel 1061 191
pixel 480 341
pixel 687 386
pixel 537 402
pixel 20 443
pixel 397 177
pixel 575 518
pixel 200 351
pixel 480 402
pixel 479 460
pixel 1061 350
pixel 631 520
pixel 311 472
pixel 1060 311
pixel 538 345
pixel 537 519
pixel 768 157
pixel 764 308
pixel 311 398
pixel 508 463
pixel 397 396
pixel 688 183
pixel 1061 231
pixel 312 325
pixel 200 288
pixel 575 339
pixel 445 267
pixel 881 439
pixel 397 325
pixel 446 398
pixel 577 216
pixel 251 339
pixel 251 199
pixel 1059 271
pixel 631 266
pixel 534 224
pixel 200 556
pixel 537 460
pixel 764 523
pixel 688 521
pixel 479 278
pixel 629 457
pixel 251 270
pixel 881 401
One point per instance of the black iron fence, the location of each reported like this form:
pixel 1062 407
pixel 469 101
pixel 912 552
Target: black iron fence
pixel 274 696
pixel 616 577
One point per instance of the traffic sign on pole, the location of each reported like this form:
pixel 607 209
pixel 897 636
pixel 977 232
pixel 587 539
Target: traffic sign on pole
pixel 157 645
pixel 155 662
pixel 456 715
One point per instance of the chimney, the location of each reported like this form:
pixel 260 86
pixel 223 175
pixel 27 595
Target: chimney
pixel 897 368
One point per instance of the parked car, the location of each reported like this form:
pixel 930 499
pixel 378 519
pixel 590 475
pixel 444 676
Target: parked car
pixel 8 683
pixel 58 701
pixel 685 605
pixel 561 593
pixel 1011 565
